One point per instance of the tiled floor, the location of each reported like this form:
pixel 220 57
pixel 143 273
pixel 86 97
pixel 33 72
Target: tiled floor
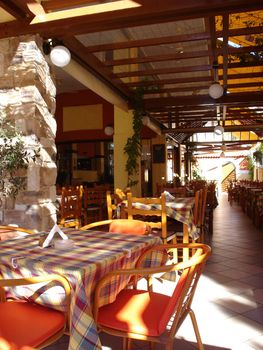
pixel 229 299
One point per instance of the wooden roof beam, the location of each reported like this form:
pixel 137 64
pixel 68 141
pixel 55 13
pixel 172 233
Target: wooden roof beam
pixel 227 128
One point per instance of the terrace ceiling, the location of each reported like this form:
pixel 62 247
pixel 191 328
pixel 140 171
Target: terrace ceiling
pixel 168 49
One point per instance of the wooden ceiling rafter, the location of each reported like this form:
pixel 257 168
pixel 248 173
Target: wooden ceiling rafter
pixel 233 76
pixel 14 8
pixel 56 5
pixel 227 128
pixel 91 63
pixel 235 99
pixel 185 85
pixel 173 39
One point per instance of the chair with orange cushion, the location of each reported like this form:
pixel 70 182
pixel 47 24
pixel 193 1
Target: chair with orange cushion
pixel 145 314
pixel 124 226
pixel 153 211
pixel 27 323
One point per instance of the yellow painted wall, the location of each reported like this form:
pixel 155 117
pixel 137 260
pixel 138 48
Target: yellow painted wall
pixel 83 117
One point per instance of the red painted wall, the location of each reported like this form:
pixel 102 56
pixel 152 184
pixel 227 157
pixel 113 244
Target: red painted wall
pixel 87 97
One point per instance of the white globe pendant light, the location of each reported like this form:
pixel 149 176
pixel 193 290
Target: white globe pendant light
pixel 216 90
pixel 219 130
pixel 109 131
pixel 60 56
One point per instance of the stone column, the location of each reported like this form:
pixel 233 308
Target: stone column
pixel 27 95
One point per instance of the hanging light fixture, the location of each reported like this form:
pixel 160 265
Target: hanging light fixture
pixel 109 131
pixel 215 90
pixel 60 56
pixel 219 130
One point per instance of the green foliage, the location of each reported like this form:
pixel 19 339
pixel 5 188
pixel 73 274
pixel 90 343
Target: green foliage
pixel 133 147
pixel 258 154
pixel 251 166
pixel 14 159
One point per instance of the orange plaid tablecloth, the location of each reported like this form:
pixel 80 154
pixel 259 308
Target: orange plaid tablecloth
pixel 93 256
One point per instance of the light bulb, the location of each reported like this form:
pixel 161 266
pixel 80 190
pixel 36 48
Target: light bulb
pixel 109 130
pixel 60 56
pixel 216 90
pixel 218 130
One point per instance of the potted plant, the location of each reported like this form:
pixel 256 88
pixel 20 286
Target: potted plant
pixel 14 160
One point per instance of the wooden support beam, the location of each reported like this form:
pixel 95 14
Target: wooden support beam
pixel 228 128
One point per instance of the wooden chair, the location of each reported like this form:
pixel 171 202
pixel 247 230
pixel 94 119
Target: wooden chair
pixel 176 191
pixel 146 314
pixel 12 231
pixel 94 205
pixel 152 211
pixel 27 323
pixel 201 214
pixel 124 226
pixel 112 200
pixel 197 216
pixel 70 212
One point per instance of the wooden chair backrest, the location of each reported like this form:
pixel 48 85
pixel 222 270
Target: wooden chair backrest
pixel 94 197
pixel 9 232
pixel 156 218
pixel 203 206
pixel 71 206
pixel 112 200
pixel 176 191
pixel 197 209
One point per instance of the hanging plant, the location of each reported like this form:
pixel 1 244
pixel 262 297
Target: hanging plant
pixel 14 159
pixel 251 166
pixel 258 154
pixel 133 147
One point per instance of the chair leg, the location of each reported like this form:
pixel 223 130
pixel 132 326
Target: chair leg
pixel 126 344
pixel 197 333
pixel 169 345
pixel 151 345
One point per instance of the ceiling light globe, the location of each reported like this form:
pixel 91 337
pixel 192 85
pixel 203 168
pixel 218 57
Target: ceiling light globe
pixel 216 90
pixel 218 130
pixel 60 56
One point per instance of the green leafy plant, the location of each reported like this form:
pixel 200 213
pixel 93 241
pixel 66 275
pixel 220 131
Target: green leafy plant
pixel 133 147
pixel 251 166
pixel 15 158
pixel 258 154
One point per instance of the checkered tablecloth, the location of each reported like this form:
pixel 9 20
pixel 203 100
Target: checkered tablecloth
pixel 93 256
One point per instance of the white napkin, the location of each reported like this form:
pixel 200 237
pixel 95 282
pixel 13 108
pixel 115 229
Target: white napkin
pixel 169 197
pixel 50 236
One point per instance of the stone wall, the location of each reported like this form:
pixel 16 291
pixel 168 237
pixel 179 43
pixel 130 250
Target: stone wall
pixel 27 95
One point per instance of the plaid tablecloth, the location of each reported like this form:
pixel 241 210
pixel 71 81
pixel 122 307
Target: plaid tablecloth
pixel 93 256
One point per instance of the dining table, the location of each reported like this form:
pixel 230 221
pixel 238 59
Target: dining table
pixel 92 256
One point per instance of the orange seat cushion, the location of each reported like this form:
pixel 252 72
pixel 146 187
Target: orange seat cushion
pixel 134 311
pixel 24 323
pixel 142 312
pixel 135 227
